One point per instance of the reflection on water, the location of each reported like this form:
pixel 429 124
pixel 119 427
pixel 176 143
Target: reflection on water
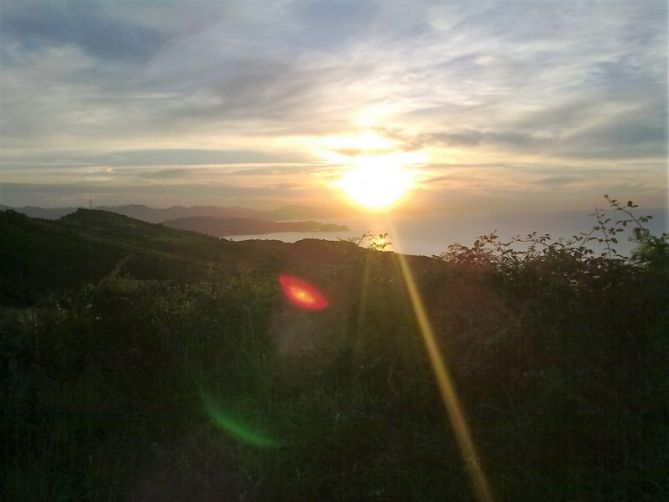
pixel 432 234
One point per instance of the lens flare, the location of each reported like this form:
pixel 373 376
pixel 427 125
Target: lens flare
pixel 235 427
pixel 302 294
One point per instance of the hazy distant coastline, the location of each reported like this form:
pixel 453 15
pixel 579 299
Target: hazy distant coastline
pixel 212 220
pixel 222 227
pixel 419 234
pixel 431 234
pixel 160 215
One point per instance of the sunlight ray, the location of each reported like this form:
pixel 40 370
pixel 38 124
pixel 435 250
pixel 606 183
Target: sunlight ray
pixel 449 395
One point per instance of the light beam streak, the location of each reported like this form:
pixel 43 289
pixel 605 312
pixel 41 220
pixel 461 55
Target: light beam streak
pixel 449 395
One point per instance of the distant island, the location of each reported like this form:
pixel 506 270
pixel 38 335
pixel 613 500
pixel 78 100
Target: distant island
pixel 222 227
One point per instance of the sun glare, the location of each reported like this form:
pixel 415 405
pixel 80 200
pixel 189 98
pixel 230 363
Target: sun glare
pixel 377 185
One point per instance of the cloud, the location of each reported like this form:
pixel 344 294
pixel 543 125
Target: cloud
pixel 157 194
pixel 144 158
pixel 602 130
pixel 328 25
pixel 164 88
pixel 33 25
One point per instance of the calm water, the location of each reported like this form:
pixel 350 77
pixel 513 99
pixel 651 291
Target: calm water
pixel 432 234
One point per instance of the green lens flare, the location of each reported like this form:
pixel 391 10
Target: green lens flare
pixel 236 427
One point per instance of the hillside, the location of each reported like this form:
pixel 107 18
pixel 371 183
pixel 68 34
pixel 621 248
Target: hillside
pixel 40 257
pixel 248 226
pixel 52 213
pixel 146 363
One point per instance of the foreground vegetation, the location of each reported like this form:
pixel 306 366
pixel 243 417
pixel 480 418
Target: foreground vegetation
pixel 144 363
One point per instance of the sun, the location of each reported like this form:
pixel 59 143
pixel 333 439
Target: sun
pixel 377 185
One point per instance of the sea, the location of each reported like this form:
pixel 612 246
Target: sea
pixel 432 234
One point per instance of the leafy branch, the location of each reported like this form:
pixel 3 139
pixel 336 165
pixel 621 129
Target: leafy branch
pixel 490 250
pixel 370 240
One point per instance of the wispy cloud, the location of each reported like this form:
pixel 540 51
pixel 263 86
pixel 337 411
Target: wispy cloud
pixel 161 89
pixel 31 26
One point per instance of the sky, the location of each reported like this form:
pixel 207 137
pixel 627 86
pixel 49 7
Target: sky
pixel 491 104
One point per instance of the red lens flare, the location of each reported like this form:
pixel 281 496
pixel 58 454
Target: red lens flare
pixel 301 293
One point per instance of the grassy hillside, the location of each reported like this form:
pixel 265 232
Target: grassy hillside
pixel 42 257
pixel 145 363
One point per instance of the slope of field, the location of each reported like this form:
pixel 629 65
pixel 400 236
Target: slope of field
pixel 145 363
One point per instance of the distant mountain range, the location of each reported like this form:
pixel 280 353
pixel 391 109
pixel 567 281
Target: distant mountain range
pixel 160 215
pixel 212 220
pixel 39 212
